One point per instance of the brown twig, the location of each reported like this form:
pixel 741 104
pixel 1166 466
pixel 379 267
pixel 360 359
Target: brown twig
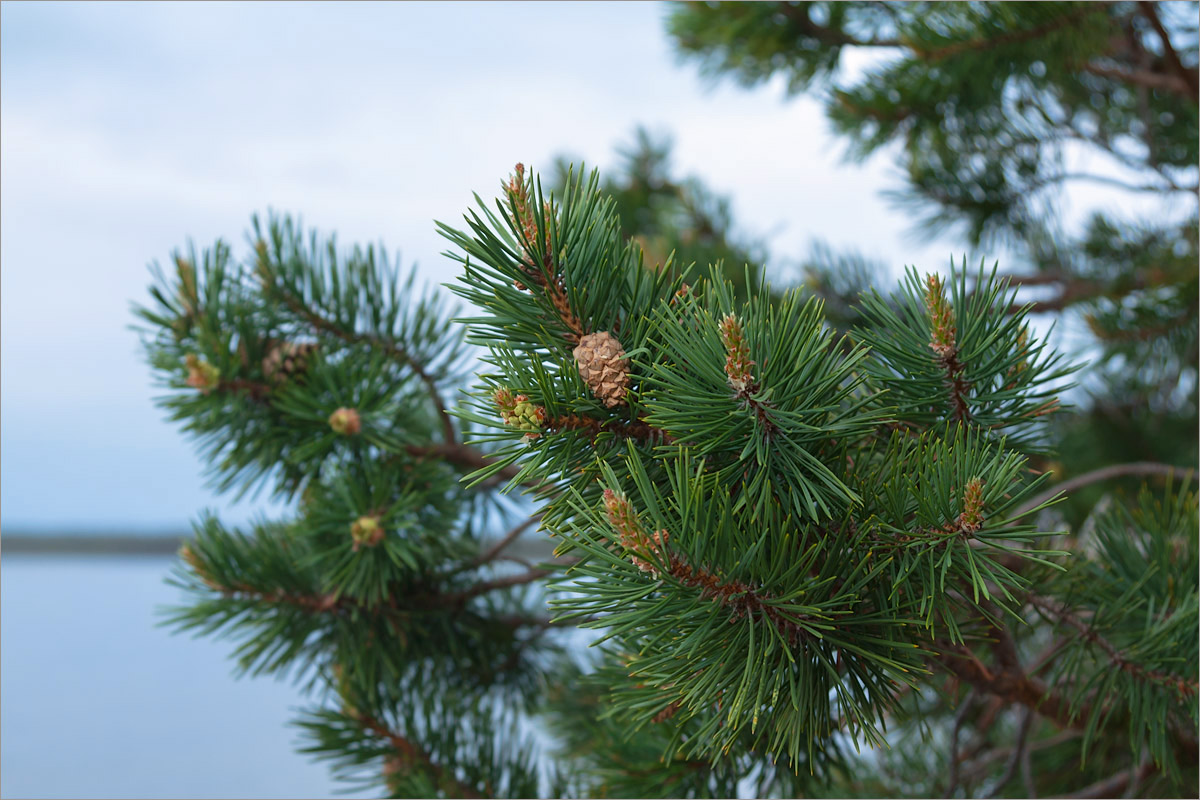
pixel 258 392
pixel 591 428
pixel 743 599
pixel 465 456
pixel 1018 687
pixel 508 539
pixel 1015 687
pixel 958 385
pixel 505 582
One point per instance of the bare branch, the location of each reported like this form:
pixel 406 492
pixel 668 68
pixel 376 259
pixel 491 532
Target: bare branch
pixel 1140 77
pixel 1109 787
pixel 1103 474
pixel 508 539
pixel 1020 752
pixel 959 716
pixel 1188 76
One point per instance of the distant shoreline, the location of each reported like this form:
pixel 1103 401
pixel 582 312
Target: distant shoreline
pixel 99 544
pixel 90 545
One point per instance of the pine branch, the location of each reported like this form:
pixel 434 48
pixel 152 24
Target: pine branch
pixel 982 43
pixel 981 766
pixel 1063 177
pixel 552 286
pixel 1060 612
pixel 743 599
pixel 258 392
pixel 324 325
pixel 1016 686
pixel 593 427
pixel 958 385
pixel 799 17
pixel 409 753
pixel 332 603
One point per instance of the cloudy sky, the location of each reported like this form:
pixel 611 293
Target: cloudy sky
pixel 128 128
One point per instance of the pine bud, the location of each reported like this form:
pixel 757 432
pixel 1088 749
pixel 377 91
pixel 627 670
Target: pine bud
pixel 941 319
pixel 971 519
pixel 625 523
pixel 189 297
pixel 202 375
pixel 737 355
pixel 603 367
pixel 366 531
pixel 345 421
pixel 518 412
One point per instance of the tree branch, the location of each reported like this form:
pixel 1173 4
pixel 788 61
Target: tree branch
pixel 1188 76
pixel 505 582
pixel 508 539
pixel 394 350
pixel 1139 77
pixel 959 716
pixel 1017 687
pixel 466 457
pixel 1012 37
pixel 409 753
pixel 1109 787
pixel 1013 686
pixel 1103 474
pixel 1058 611
pixel 800 18
pixel 1020 752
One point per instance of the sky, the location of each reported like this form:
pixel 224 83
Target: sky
pixel 127 129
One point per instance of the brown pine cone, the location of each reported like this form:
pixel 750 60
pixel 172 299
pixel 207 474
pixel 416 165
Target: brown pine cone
pixel 603 366
pixel 287 360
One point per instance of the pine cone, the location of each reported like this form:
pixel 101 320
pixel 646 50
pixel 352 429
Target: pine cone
pixel 603 366
pixel 287 360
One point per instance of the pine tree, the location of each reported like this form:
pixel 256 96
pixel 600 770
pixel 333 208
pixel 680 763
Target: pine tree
pixel 806 564
pixel 990 110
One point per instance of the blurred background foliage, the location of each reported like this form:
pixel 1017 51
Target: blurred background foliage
pixel 989 111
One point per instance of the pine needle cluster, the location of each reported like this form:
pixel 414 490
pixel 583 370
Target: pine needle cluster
pixel 786 546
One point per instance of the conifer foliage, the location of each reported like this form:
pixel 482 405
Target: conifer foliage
pixel 790 546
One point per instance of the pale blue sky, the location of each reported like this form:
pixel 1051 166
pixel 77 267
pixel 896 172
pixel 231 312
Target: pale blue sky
pixel 126 128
